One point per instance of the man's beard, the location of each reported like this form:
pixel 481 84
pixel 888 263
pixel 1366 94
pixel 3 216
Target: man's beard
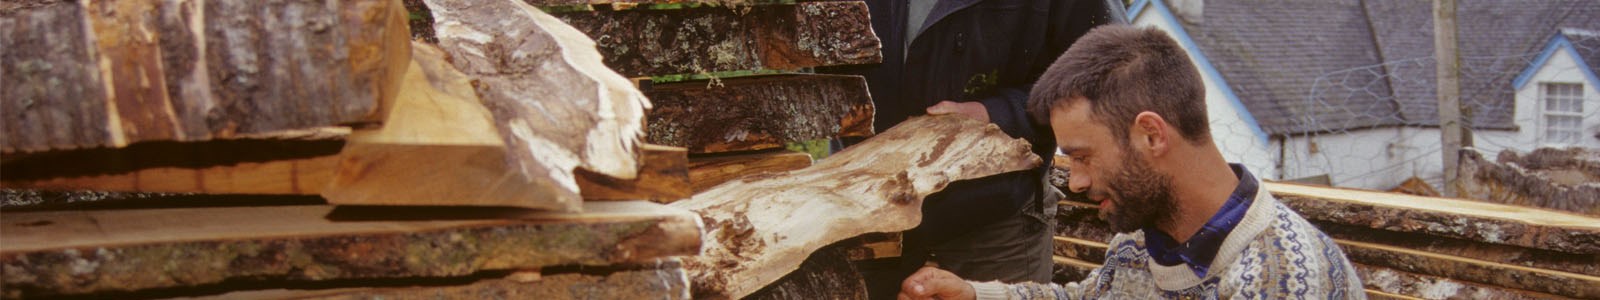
pixel 1144 197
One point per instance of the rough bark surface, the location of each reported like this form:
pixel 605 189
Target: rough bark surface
pixel 78 74
pixel 754 113
pixel 1496 274
pixel 712 39
pixel 556 106
pixel 1081 221
pixel 827 274
pixel 1454 218
pixel 1587 264
pixel 1085 250
pixel 81 252
pixel 707 172
pixel 1403 283
pixel 760 228
pixel 665 280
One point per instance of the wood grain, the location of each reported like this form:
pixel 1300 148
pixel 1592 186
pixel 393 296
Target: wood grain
pixel 761 112
pixel 707 172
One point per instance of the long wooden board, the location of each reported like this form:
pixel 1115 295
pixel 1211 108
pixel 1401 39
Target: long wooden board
pixel 662 280
pixel 254 167
pixel 762 227
pixel 1470 220
pixel 761 112
pixel 79 252
pixel 707 172
pixel 85 74
pixel 712 39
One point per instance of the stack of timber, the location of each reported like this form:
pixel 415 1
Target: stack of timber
pixel 1406 246
pixel 1566 180
pixel 309 149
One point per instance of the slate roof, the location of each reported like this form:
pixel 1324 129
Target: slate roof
pixel 1308 66
pixel 1587 44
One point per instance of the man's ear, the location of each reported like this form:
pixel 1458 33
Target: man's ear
pixel 1151 132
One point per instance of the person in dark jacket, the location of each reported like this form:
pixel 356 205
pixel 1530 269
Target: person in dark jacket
pixel 976 58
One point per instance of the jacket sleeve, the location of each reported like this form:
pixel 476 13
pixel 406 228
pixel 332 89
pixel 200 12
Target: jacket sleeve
pixel 1007 108
pixel 1037 291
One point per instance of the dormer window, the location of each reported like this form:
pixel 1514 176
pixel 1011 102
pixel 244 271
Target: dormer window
pixel 1562 114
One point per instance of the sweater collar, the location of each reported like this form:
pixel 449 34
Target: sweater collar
pixel 1201 248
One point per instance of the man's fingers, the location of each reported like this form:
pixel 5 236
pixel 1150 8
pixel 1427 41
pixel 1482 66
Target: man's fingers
pixel 944 107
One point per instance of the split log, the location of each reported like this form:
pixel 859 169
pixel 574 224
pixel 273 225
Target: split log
pixel 1587 264
pixel 762 112
pixel 707 172
pixel 1454 218
pixel 713 39
pixel 557 107
pixel 762 227
pixel 86 74
pixel 664 280
pixel 1389 283
pixel 1491 273
pixel 82 252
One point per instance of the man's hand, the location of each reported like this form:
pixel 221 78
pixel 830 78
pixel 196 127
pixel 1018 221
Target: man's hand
pixel 974 110
pixel 933 283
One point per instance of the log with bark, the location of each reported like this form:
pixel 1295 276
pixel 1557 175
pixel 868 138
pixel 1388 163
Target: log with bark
pixel 1586 264
pixel 761 227
pixel 761 112
pixel 1454 218
pixel 437 147
pixel 664 279
pixel 86 74
pixel 556 106
pixel 1418 286
pixel 713 39
pixel 87 252
pixel 1467 269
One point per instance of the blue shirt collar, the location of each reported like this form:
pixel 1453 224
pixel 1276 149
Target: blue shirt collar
pixel 1202 247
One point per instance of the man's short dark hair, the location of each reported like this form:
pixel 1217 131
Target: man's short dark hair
pixel 1122 71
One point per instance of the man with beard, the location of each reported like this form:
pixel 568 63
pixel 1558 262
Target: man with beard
pixel 1128 107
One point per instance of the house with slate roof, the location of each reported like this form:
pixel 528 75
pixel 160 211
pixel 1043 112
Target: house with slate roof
pixel 1343 91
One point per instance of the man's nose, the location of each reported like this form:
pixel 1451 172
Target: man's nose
pixel 1078 182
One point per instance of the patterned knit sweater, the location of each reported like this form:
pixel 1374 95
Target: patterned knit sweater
pixel 1272 254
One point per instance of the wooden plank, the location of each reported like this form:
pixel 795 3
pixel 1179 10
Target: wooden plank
pixel 84 74
pixel 298 164
pixel 1586 264
pixel 714 39
pixel 1076 248
pixel 1455 218
pixel 663 178
pixel 556 106
pixel 707 172
pixel 1491 273
pixel 762 227
pixel 761 112
pixel 664 280
pixel 1396 284
pixel 81 252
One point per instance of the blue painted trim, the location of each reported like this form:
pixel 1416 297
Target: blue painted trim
pixel 1203 63
pixel 1558 42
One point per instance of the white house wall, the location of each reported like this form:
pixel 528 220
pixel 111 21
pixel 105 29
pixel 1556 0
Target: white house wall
pixel 1233 133
pixel 1560 68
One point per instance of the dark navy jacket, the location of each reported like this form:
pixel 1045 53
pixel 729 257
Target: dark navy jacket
pixel 990 51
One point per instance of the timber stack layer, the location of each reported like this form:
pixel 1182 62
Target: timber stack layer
pixel 1407 247
pixel 533 149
